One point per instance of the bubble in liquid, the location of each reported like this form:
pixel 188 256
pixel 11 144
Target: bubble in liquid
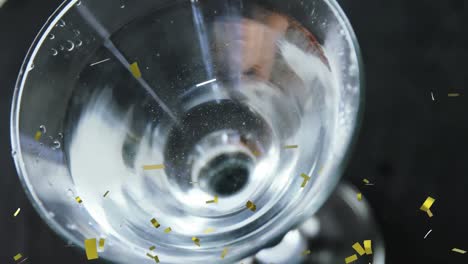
pixel 54 52
pixel 70 46
pixel 77 32
pixel 13 152
pixel 60 135
pixel 62 47
pixel 43 129
pixel 79 43
pixel 31 67
pixel 79 3
pixel 51 36
pixel 56 144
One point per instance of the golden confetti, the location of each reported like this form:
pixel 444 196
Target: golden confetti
pixel 461 251
pixel 453 94
pixel 154 167
pixel 250 205
pixel 17 257
pixel 38 135
pixel 17 212
pixel 91 250
pixel 291 146
pixel 359 249
pixel 366 181
pixel 426 206
pixel 215 200
pixel 155 223
pixel 106 194
pixel 368 246
pixel 224 253
pixel 209 230
pixel 156 258
pixel 359 196
pixel 167 230
pixel 135 70
pixel 196 241
pixel 78 200
pixel 306 179
pixel 350 259
pixel 306 252
pixel 101 243
pixel 152 248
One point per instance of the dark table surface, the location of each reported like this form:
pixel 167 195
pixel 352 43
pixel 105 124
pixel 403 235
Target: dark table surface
pixel 410 146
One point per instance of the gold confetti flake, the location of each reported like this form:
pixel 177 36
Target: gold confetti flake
pixel 78 200
pixel 17 257
pixel 359 196
pixel 366 181
pixel 306 179
pixel 135 70
pixel 368 246
pixel 155 223
pixel 209 230
pixel 426 206
pixel 215 200
pixel 453 94
pixel 167 230
pixel 152 248
pixel 461 251
pixel 38 135
pixel 250 205
pixel 91 250
pixel 306 252
pixel 196 240
pixel 154 167
pixel 224 253
pixel 102 241
pixel 359 249
pixel 350 259
pixel 106 194
pixel 291 146
pixel 17 212
pixel 156 258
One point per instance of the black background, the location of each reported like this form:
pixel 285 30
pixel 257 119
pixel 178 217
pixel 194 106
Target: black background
pixel 410 146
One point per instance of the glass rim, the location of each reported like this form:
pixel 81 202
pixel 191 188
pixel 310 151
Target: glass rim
pixel 275 228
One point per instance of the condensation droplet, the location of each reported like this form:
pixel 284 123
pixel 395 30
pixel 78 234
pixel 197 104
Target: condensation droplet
pixel 70 46
pixel 43 129
pixel 56 144
pixel 54 52
pixel 70 193
pixel 61 23
pixel 51 36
